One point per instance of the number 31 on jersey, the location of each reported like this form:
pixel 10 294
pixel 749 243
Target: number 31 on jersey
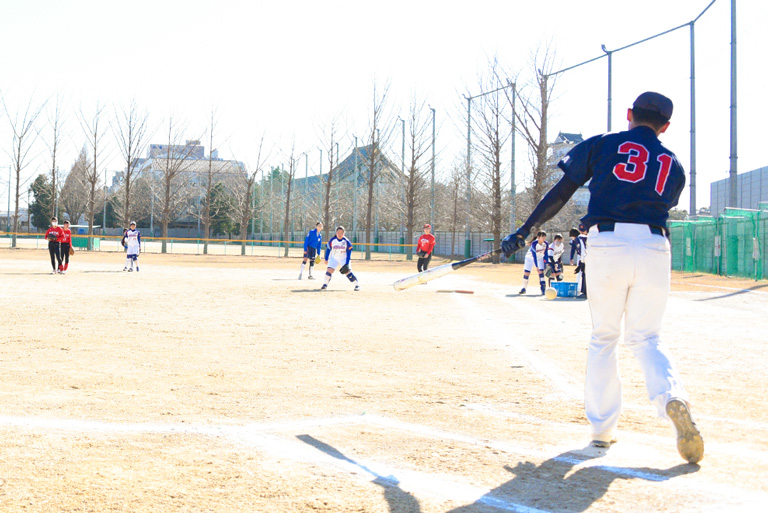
pixel 637 165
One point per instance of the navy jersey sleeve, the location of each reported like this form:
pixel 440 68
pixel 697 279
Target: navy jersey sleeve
pixel 576 164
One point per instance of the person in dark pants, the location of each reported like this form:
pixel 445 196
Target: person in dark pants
pixel 53 235
pixel 424 247
pixel 65 245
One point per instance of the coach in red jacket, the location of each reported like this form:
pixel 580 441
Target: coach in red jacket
pixel 424 248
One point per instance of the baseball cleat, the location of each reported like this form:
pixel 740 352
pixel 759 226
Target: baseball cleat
pixel 310 277
pixel 299 276
pixel 125 268
pixel 522 291
pixel 130 270
pixel 324 287
pixel 603 444
pixel 690 444
pixel 357 287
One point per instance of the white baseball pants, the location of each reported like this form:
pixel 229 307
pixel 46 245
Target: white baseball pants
pixel 629 274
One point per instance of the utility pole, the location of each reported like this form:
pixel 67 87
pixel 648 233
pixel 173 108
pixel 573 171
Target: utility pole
pixel 432 166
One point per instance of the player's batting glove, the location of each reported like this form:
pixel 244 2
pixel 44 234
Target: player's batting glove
pixel 514 242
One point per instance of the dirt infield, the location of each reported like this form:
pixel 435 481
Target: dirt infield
pixel 224 384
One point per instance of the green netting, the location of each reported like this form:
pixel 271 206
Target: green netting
pixel 733 244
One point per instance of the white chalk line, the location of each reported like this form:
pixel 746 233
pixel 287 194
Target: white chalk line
pixel 729 449
pixel 500 335
pixel 443 487
pixel 735 289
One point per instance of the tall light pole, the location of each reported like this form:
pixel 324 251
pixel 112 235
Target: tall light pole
pixel 104 216
pixel 609 53
pixel 468 235
pixel 733 196
pixel 8 212
pixel 319 186
pixel 354 195
pixel 432 168
pixel 402 174
pixel 610 87
pixel 512 188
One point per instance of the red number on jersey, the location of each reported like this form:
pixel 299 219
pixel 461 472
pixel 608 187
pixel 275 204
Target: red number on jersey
pixel 666 164
pixel 634 170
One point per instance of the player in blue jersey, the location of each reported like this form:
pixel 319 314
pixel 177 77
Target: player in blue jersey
pixel 536 257
pixel 634 182
pixel 337 255
pixel 313 245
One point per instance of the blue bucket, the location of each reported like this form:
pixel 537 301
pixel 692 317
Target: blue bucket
pixel 566 288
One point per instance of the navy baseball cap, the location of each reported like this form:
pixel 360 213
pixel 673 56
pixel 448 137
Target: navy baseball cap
pixel 654 102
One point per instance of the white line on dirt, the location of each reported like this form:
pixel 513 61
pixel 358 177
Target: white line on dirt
pixel 729 449
pixel 492 329
pixel 440 486
pixel 735 289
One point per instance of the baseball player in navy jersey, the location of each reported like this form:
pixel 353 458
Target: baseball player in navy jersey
pixel 536 257
pixel 635 181
pixel 337 255
pixel 313 245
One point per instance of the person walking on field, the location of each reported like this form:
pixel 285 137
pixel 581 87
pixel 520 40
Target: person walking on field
pixel 634 182
pixel 53 235
pixel 65 247
pixel 424 247
pixel 313 245
pixel 338 253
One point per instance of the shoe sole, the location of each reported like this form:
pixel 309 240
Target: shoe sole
pixel 601 444
pixel 690 443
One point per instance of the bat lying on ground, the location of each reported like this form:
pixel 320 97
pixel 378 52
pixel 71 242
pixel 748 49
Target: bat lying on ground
pixel 437 272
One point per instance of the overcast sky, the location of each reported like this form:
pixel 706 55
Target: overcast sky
pixel 285 68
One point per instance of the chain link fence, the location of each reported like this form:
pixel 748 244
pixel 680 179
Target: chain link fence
pixel 732 244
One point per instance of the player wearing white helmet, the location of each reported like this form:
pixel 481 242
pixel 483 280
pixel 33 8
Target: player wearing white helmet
pixel 536 257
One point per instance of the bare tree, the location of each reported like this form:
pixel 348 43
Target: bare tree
pixel 532 118
pixel 331 145
pixel 56 126
pixel 74 192
pixel 454 198
pixel 494 129
pixel 24 136
pixel 244 193
pixel 418 144
pixel 373 158
pixel 131 132
pixel 93 128
pixel 209 208
pixel 288 180
pixel 171 184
